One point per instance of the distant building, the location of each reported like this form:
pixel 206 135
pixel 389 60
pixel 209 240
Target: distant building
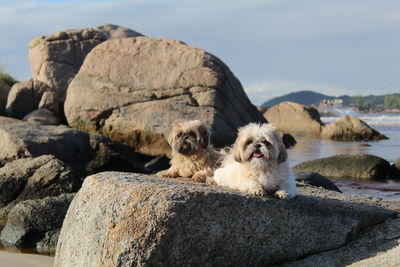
pixel 332 102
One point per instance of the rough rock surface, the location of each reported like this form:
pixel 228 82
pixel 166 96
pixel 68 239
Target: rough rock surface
pixel 361 166
pixel 350 128
pixel 56 58
pixel 30 220
pixel 34 178
pixel 116 32
pixel 83 151
pixel 25 97
pixel 126 219
pixel 132 89
pixel 4 90
pixel 379 246
pixel 42 116
pixel 4 120
pixel 315 179
pixel 294 118
pixel 49 101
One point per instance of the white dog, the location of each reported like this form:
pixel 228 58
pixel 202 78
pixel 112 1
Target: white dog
pixel 257 163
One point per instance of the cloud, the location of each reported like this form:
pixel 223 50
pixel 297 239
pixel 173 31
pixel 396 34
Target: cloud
pixel 337 44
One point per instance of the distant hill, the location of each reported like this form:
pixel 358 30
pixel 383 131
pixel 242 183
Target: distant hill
pixel 303 97
pixel 363 103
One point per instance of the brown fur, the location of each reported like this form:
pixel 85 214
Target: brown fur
pixel 192 154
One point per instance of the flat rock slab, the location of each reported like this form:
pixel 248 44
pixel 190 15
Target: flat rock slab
pixel 82 151
pixel 127 219
pixel 361 166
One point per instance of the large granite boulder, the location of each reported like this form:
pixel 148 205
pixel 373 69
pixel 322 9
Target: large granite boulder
pixel 361 166
pixel 132 89
pixel 36 223
pixel 126 219
pixel 350 128
pixel 4 90
pixel 25 97
pixel 56 58
pixel 296 119
pixel 82 151
pixel 35 178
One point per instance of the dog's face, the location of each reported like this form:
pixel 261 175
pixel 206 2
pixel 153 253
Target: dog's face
pixel 259 142
pixel 188 137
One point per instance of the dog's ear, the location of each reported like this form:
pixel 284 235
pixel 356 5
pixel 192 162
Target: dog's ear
pixel 236 151
pixel 282 157
pixel 173 128
pixel 204 136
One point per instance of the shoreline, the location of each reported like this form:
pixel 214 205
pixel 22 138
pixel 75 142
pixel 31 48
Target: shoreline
pixel 14 259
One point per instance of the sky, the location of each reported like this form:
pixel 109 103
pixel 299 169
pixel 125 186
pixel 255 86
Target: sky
pixel 273 47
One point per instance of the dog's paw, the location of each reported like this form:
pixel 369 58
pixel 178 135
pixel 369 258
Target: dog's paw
pixel 200 177
pixel 166 174
pixel 257 191
pixel 210 180
pixel 281 194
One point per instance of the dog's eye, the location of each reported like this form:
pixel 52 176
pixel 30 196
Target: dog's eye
pixel 192 134
pixel 179 134
pixel 267 143
pixel 248 142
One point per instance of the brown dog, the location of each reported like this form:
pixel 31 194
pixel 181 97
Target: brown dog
pixel 192 154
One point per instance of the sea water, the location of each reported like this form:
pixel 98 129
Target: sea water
pixel 387 124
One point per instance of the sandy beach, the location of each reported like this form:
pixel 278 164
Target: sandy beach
pixel 10 259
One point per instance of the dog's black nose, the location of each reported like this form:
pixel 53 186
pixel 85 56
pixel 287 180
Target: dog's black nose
pixel 258 145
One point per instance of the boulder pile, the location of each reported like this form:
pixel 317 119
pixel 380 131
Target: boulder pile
pixel 301 120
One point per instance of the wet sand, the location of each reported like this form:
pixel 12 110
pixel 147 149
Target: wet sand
pixel 10 259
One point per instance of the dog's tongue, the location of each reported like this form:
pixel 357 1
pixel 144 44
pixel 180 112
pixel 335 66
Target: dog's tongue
pixel 257 154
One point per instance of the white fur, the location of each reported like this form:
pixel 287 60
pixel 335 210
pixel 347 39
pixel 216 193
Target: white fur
pixel 258 176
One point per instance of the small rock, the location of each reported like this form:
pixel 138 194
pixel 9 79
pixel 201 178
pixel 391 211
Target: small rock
pixel 394 172
pixel 49 101
pixel 288 140
pixel 360 166
pixel 48 243
pixel 24 97
pixel 158 164
pixel 296 119
pixel 30 220
pixel 4 90
pixel 82 151
pixel 34 178
pixel 350 128
pixel 315 179
pixel 397 163
pixel 42 117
